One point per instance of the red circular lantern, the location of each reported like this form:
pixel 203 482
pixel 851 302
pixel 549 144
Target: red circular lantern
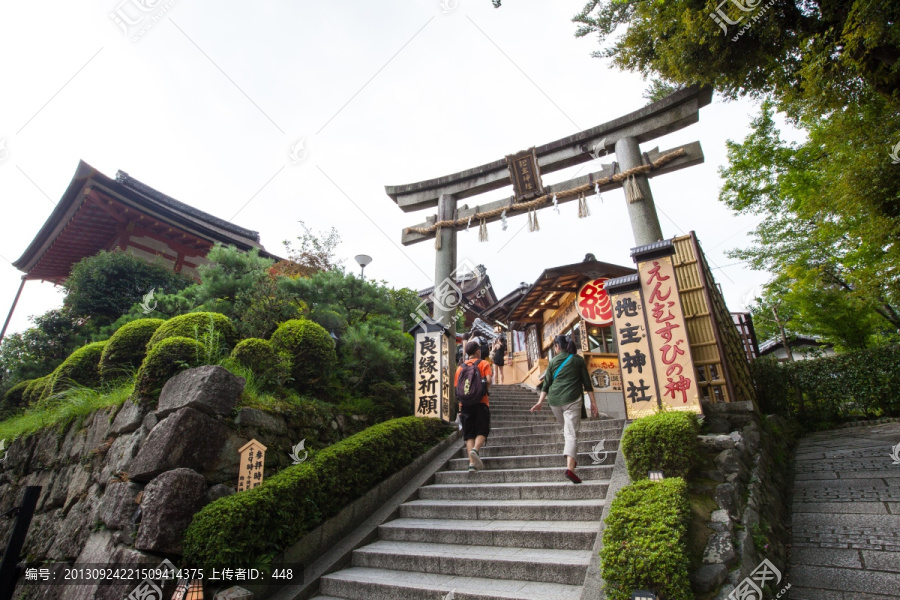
pixel 593 302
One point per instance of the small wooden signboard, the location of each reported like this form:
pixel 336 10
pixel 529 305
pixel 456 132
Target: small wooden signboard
pixel 525 174
pixel 253 462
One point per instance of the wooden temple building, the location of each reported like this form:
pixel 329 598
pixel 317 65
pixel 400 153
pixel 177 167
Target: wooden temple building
pixel 97 213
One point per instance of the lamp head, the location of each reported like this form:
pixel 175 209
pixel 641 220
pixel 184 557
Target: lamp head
pixel 362 259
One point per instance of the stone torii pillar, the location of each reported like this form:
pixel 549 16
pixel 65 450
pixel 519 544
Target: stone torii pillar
pixel 641 213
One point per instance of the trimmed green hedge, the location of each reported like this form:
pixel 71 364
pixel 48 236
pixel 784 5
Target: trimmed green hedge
pixel 126 349
pixel 311 350
pixel 666 442
pixel 197 326
pixel 259 355
pixel 81 368
pixel 823 392
pixel 235 530
pixel 165 360
pixel 645 543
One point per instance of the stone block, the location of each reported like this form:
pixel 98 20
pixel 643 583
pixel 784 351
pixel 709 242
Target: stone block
pixel 708 578
pixel 74 530
pixel 234 593
pixel 130 417
pixel 220 490
pixel 257 419
pixel 715 442
pixel 720 549
pixel 720 521
pixel 732 465
pixel 79 481
pixel 187 438
pixel 170 502
pixel 209 389
pixel 122 452
pixel 727 499
pixel 117 506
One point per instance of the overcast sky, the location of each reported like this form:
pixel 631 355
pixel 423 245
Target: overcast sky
pixel 204 101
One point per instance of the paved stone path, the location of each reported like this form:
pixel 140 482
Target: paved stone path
pixel 846 516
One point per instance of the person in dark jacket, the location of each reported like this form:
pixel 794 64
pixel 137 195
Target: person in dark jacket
pixel 564 382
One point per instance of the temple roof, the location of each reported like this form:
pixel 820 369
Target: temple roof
pixel 97 213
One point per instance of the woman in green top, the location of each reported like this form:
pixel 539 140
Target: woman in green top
pixel 564 381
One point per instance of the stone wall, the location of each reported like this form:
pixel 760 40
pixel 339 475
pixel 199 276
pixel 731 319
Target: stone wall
pixel 745 471
pixel 122 485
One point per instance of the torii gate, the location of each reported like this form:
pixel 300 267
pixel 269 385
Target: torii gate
pixel 523 170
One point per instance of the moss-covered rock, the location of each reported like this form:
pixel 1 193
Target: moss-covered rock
pixel 165 360
pixel 126 349
pixel 311 350
pixel 666 441
pixel 206 327
pixel 270 367
pixel 81 368
pixel 14 399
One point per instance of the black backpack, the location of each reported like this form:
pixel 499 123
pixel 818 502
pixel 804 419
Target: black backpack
pixel 471 386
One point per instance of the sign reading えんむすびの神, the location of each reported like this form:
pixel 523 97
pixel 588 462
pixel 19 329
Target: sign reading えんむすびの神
pixel 668 334
pixel 253 462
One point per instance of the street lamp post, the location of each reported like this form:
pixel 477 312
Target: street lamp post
pixel 363 260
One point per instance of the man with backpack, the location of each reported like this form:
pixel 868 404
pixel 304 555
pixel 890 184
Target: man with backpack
pixel 472 382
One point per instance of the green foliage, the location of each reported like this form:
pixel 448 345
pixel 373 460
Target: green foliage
pixel 829 241
pixel 645 543
pixel 237 529
pixel 216 328
pixel 74 403
pixel 311 350
pixel 104 286
pixel 126 349
pixel 40 349
pixel 666 441
pixel 13 399
pixel 271 369
pixel 82 368
pixel 34 391
pixel 822 392
pixel 164 360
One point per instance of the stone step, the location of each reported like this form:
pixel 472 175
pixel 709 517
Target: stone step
pixel 361 583
pixel 553 447
pixel 527 440
pixel 565 535
pixel 559 490
pixel 520 475
pixel 532 461
pixel 522 564
pixel 508 510
pixel 612 427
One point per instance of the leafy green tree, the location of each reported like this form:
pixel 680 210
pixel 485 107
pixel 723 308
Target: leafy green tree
pixel 315 252
pixel 831 246
pixel 105 286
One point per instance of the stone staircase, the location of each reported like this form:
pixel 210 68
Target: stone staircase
pixel 515 530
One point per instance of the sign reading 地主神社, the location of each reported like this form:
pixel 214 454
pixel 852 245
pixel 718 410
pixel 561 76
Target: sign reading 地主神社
pixel 666 328
pixel 525 174
pixel 635 356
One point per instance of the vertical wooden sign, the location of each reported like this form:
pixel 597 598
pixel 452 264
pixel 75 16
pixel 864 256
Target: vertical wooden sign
pixel 253 462
pixel 429 388
pixel 633 341
pixel 666 327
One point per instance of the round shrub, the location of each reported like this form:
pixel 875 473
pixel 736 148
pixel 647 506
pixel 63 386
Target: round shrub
pixel 258 355
pixel 35 389
pixel 311 350
pixel 165 360
pixel 666 442
pixel 13 399
pixel 81 368
pixel 126 349
pixel 207 327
